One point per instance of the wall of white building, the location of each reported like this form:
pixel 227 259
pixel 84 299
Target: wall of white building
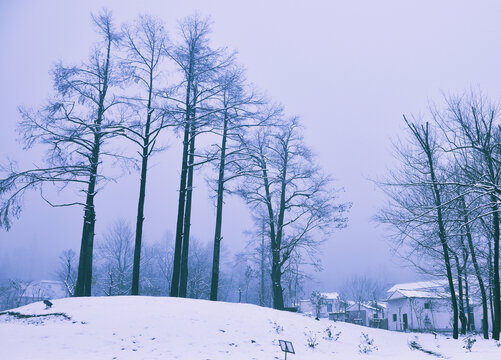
pixel 330 305
pixel 421 316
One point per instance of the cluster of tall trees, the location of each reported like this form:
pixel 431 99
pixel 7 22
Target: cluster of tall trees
pixel 138 85
pixel 444 201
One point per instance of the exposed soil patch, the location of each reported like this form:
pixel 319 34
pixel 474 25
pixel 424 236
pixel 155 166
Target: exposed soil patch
pixel 415 345
pixel 34 319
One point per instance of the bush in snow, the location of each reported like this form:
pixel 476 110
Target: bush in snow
pixel 328 332
pixel 468 343
pixel 311 340
pixel 277 327
pixel 330 335
pixel 366 345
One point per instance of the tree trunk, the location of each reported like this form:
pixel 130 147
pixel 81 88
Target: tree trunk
pixel 491 284
pixel 84 278
pixel 462 316
pixel 140 220
pixel 278 296
pixel 82 261
pixel 183 283
pixel 445 249
pixel 478 274
pixel 471 323
pixel 219 215
pixel 176 266
pixel 262 252
pixel 497 296
pixel 142 193
pixel 276 278
pixel 276 275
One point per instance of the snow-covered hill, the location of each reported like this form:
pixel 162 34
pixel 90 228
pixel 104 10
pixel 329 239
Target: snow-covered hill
pixel 169 328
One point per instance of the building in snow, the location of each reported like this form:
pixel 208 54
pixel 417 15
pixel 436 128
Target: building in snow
pixel 424 306
pixel 331 304
pixel 367 314
pixel 333 307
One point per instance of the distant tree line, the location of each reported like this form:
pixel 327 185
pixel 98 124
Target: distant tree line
pixel 138 86
pixel 444 199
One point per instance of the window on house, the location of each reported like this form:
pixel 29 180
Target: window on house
pixel 427 305
pixel 329 307
pixel 394 317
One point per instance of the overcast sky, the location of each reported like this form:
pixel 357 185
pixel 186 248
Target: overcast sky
pixel 349 69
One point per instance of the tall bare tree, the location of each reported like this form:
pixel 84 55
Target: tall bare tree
pixel 416 209
pixel 237 109
pixel 199 66
pixel 471 126
pixel 75 126
pixel 146 47
pixel 297 199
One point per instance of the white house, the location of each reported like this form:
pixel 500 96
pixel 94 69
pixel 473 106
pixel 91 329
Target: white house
pixel 331 304
pixel 423 306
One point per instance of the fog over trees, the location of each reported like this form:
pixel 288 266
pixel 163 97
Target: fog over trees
pixel 123 95
pixel 246 208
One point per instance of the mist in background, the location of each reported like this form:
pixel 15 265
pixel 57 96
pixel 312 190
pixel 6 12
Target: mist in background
pixel 348 69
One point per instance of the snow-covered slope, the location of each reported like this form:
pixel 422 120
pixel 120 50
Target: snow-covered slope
pixel 170 328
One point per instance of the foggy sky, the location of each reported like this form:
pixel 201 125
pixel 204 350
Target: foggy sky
pixel 349 69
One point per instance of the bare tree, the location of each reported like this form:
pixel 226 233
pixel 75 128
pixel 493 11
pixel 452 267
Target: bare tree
pixel 146 44
pixel 363 289
pixel 296 198
pixel 12 293
pixel 75 126
pixel 470 126
pixel 114 258
pixel 416 209
pixel 199 66
pixel 157 267
pixel 199 276
pixel 67 270
pixel 237 110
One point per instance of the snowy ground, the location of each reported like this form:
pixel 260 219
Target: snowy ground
pixel 170 328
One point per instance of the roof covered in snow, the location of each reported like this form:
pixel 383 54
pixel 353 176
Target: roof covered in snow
pixel 421 294
pixel 370 306
pixel 331 295
pixel 355 307
pixel 419 285
pixel 433 289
